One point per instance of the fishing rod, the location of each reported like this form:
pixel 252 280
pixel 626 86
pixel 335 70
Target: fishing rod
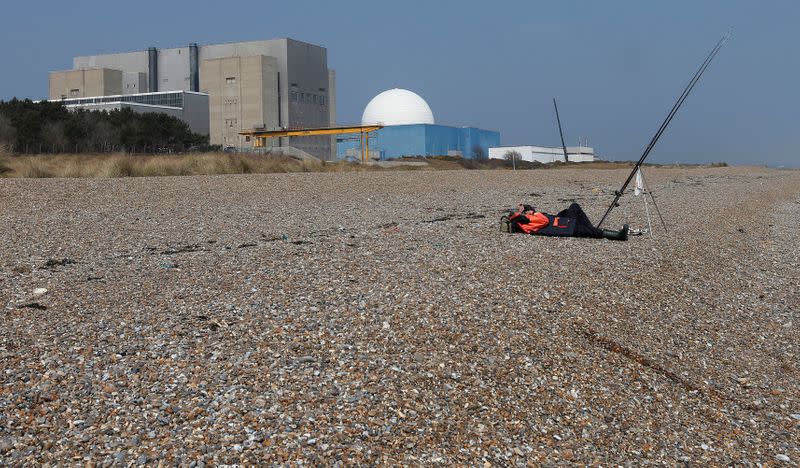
pixel 564 146
pixel 618 194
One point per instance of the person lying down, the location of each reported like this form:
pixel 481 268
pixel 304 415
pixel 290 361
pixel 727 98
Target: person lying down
pixel 571 222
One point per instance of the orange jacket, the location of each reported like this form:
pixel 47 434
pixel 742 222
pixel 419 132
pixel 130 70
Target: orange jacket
pixel 535 222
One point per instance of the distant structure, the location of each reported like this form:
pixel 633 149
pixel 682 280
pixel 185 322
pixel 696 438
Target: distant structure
pixel 397 107
pixel 410 130
pixel 188 106
pixel 269 84
pixel 544 154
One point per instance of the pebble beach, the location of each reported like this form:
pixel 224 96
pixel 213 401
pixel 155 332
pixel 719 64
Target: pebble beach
pixel 382 318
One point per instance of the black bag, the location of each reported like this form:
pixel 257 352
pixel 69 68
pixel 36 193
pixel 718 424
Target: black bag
pixel 505 225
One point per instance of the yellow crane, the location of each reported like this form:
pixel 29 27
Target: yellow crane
pixel 260 136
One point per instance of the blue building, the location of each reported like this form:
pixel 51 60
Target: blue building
pixel 396 141
pixel 409 130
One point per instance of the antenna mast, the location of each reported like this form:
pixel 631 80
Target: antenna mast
pixel 563 145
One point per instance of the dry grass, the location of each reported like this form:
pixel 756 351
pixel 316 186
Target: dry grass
pixel 123 165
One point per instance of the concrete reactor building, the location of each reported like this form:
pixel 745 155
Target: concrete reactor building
pixel 410 130
pixel 219 89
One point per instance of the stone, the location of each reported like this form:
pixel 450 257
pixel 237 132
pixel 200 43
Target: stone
pixel 475 366
pixel 5 444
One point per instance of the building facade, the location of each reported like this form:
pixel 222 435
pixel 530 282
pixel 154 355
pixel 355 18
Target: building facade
pixel 544 154
pixel 396 141
pixel 85 83
pixel 279 83
pixel 243 94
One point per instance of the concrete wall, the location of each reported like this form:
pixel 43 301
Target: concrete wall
pixel 173 66
pixel 173 69
pixel 111 79
pixel 127 62
pixel 243 94
pixel 272 48
pixel 581 157
pixel 540 154
pixel 307 68
pixel 83 83
pixel 134 82
pixel 332 109
pixel 301 67
pixel 66 84
pixel 544 154
pixel 196 112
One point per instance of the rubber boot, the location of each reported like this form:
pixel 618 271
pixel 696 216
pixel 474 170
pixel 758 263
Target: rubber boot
pixel 617 235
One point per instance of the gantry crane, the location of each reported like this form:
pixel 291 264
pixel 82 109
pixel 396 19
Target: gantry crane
pixel 260 136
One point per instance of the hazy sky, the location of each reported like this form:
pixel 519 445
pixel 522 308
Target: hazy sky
pixel 615 67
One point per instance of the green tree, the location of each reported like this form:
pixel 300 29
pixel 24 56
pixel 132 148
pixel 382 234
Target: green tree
pixel 8 134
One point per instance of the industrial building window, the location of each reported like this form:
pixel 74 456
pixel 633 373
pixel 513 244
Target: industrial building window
pixel 174 99
pixel 230 80
pixel 74 92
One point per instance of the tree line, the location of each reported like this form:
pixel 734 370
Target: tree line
pixel 49 127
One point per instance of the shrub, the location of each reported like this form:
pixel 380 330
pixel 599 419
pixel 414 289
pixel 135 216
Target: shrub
pixel 48 127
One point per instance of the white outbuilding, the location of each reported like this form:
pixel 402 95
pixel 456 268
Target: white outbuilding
pixel 543 154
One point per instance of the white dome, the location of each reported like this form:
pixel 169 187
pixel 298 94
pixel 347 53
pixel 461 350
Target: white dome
pixel 397 107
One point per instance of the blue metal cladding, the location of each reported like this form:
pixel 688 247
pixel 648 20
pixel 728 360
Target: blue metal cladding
pixel 424 140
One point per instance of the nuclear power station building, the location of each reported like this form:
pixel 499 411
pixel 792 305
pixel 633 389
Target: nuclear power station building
pixel 409 129
pixel 270 84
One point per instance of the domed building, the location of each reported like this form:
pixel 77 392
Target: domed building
pixel 397 107
pixel 410 130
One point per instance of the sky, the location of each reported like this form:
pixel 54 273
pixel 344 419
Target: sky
pixel 615 66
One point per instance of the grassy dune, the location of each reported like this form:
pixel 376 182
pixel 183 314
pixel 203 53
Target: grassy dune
pixel 126 165
pixel 123 165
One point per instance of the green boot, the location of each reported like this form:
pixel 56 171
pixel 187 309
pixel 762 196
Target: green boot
pixel 617 235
